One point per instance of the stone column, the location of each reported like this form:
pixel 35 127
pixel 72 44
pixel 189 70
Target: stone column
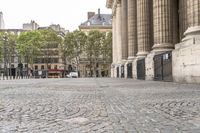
pixel 193 14
pixel 176 36
pixel 163 11
pixel 119 33
pixel 132 29
pixel 143 27
pixel 183 19
pixel 114 46
pixel 124 30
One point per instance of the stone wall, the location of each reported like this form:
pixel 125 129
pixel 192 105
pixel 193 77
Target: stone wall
pixel 186 61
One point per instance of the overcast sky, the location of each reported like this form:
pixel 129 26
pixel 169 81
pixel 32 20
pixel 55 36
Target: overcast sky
pixel 68 13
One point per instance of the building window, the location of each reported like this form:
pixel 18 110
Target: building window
pixel 36 67
pixel 42 67
pixel 49 66
pixel 55 67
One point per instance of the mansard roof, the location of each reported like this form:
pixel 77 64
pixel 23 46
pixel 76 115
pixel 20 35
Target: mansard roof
pixel 99 20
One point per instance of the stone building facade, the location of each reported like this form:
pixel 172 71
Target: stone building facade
pixel 30 26
pixel 156 39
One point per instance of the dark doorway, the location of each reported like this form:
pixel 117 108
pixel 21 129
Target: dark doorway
pixel 141 69
pixel 163 67
pixel 122 71
pixel 129 70
pixel 117 72
pixel 13 72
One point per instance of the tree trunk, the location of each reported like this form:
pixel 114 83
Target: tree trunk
pixel 65 65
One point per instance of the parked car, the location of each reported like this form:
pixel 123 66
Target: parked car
pixel 72 75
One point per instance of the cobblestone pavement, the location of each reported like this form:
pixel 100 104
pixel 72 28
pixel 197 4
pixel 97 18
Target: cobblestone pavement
pixel 98 105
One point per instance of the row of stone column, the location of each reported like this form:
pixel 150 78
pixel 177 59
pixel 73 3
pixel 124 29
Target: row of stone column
pixel 140 26
pixel 152 26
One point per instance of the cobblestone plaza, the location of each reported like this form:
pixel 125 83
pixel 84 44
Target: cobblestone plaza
pixel 98 105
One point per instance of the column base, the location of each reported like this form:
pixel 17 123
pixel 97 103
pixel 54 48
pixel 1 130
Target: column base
pixel 149 66
pixel 112 75
pixel 131 58
pixel 130 67
pixel 192 32
pixel 185 61
pixel 134 68
pixel 142 54
pixel 114 70
pixel 124 69
pixel 164 47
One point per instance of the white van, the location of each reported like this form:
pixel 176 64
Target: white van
pixel 73 74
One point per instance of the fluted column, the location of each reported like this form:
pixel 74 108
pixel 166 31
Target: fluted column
pixel 124 30
pixel 163 11
pixel 176 35
pixel 193 14
pixel 119 32
pixel 143 27
pixel 183 19
pixel 132 29
pixel 114 44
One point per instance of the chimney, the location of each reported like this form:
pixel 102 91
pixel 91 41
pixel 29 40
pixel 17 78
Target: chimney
pixel 90 15
pixel 99 12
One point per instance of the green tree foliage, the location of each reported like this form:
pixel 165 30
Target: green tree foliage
pixel 107 48
pixel 80 40
pixel 29 45
pixel 73 46
pixel 8 50
pixel 52 41
pixel 1 47
pixel 50 36
pixel 67 49
pixel 94 48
